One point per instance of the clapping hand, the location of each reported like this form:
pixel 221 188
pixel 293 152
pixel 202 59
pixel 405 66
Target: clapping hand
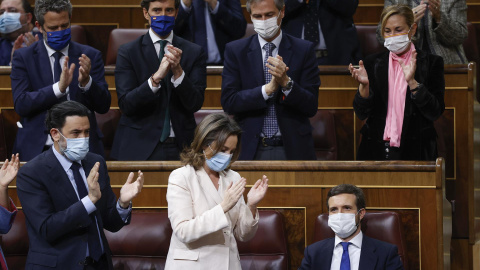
pixel 232 194
pixel 9 171
pixel 257 192
pixel 131 189
pixel 361 76
pixel 409 70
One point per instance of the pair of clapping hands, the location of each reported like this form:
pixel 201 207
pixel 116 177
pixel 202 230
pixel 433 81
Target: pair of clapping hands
pixel 170 61
pixel 235 191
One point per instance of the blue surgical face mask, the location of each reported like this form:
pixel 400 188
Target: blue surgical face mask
pixel 219 161
pixel 76 149
pixel 9 22
pixel 162 25
pixel 58 40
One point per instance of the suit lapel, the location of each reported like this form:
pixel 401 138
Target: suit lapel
pixel 149 53
pixel 381 68
pixel 59 176
pixel 368 256
pixel 42 62
pixel 208 188
pixel 254 57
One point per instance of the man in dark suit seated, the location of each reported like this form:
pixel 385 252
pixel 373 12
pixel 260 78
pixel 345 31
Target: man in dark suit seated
pixel 8 211
pixel 211 24
pixel 329 25
pixel 67 198
pixel 350 249
pixel 270 84
pixel 53 70
pixel 161 81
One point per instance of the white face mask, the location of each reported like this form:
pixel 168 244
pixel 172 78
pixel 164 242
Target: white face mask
pixel 398 43
pixel 9 22
pixel 344 225
pixel 266 28
pixel 76 148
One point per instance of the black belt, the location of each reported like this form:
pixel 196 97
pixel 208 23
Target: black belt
pixel 90 261
pixel 321 53
pixel 169 140
pixel 273 141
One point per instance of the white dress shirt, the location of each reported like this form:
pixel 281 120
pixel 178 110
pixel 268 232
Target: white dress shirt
pixel 354 250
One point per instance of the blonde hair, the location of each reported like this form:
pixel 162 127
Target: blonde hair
pixel 214 128
pixel 401 10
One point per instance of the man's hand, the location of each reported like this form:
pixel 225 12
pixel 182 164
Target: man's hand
pixel 162 70
pixel 174 58
pixel 131 189
pixel 27 39
pixel 66 76
pixel 187 3
pixel 84 70
pixel 278 69
pixel 271 87
pixel 9 171
pixel 94 192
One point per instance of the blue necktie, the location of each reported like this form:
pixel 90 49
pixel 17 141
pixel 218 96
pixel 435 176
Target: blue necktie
pixel 94 247
pixel 270 125
pixel 345 263
pixel 310 22
pixel 57 68
pixel 200 32
pixel 166 121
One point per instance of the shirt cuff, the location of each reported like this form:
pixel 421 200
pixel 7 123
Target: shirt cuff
pixel 89 206
pixel 87 87
pixel 187 9
pixel 56 91
pixel 124 213
pixel 264 93
pixel 154 88
pixel 286 92
pixel 178 81
pixel 215 10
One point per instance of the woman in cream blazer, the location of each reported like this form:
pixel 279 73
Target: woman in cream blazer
pixel 205 200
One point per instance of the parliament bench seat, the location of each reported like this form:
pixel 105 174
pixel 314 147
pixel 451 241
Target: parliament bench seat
pixel 144 243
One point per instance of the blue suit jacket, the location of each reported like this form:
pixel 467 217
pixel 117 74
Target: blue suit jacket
pixel 143 112
pixel 32 87
pixel 5 51
pixel 242 80
pixel 228 23
pixel 336 20
pixel 6 220
pixel 57 222
pixel 375 255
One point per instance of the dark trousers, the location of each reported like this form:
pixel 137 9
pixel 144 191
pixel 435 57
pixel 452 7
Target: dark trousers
pixel 270 152
pixel 167 150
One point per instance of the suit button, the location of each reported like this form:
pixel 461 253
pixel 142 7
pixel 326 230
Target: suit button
pixel 387 150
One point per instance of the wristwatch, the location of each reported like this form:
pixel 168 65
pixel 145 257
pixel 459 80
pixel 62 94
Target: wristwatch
pixel 289 85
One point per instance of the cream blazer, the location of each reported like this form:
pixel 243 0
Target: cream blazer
pixel 203 236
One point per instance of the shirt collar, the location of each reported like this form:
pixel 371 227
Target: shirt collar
pixel 276 41
pixel 51 51
pixel 65 162
pixel 356 241
pixel 155 38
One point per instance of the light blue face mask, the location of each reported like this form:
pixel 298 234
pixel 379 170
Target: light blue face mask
pixel 219 161
pixel 77 148
pixel 9 22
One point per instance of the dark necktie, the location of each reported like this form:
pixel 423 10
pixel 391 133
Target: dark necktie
pixel 94 247
pixel 270 125
pixel 57 68
pixel 345 263
pixel 310 22
pixel 200 32
pixel 166 121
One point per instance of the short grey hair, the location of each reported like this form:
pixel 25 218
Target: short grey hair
pixel 278 3
pixel 44 6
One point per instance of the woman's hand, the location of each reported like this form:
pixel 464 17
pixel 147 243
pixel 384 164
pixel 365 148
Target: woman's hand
pixel 232 194
pixel 257 192
pixel 409 70
pixel 361 76
pixel 9 171
pixel 419 11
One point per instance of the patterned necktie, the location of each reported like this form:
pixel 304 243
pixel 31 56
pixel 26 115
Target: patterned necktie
pixel 310 22
pixel 94 247
pixel 57 69
pixel 345 263
pixel 166 121
pixel 270 125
